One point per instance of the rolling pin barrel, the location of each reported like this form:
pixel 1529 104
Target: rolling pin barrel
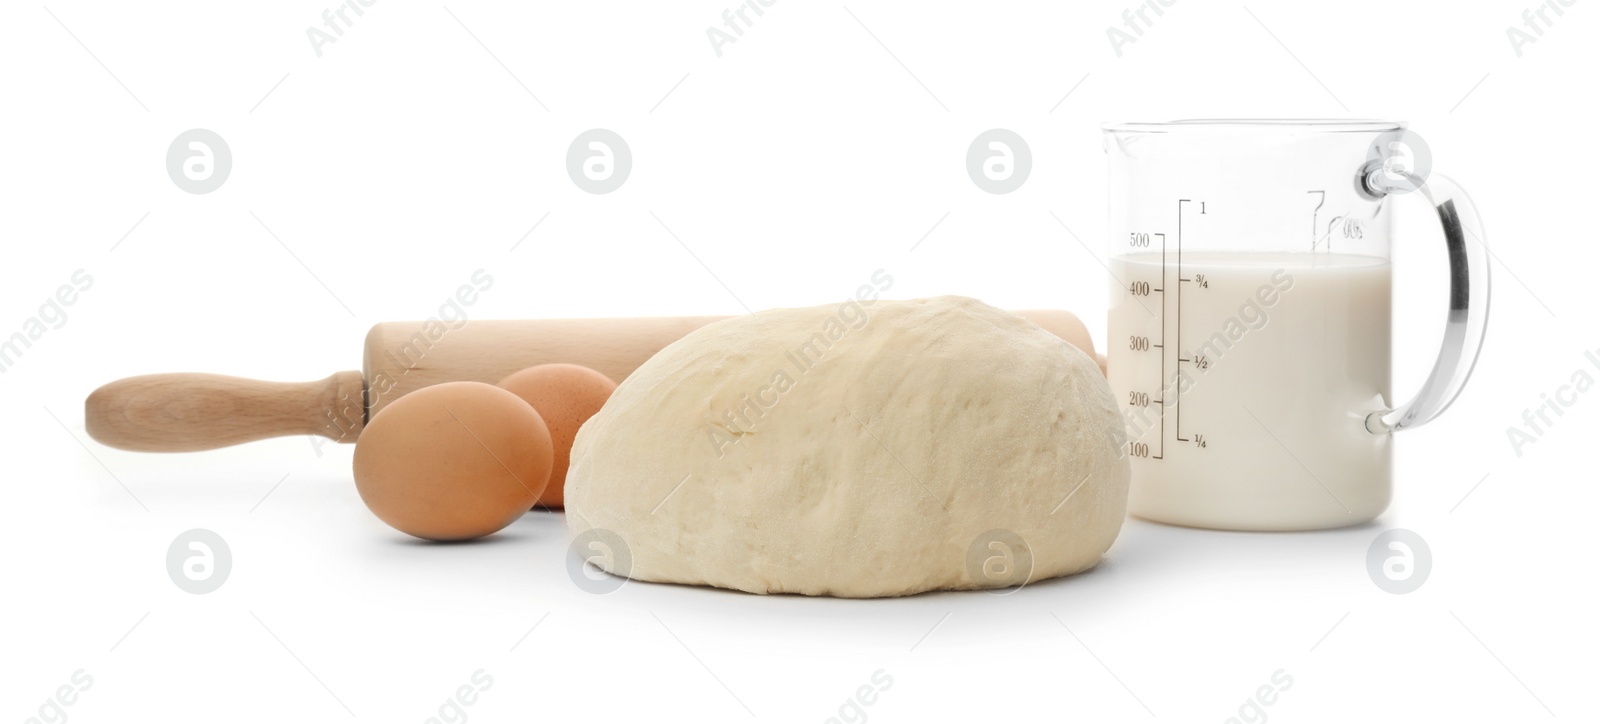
pixel 186 412
pixel 402 357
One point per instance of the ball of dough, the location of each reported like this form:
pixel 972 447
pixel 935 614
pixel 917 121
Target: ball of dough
pixel 855 450
pixel 453 461
pixel 566 396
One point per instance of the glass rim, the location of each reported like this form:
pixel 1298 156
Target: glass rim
pixel 1255 125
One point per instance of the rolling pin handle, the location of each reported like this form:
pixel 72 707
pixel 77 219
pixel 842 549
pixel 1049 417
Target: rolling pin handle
pixel 185 412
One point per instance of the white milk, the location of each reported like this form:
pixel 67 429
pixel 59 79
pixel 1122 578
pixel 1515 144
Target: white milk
pixel 1272 362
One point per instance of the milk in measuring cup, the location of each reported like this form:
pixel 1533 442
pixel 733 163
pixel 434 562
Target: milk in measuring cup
pixel 1245 379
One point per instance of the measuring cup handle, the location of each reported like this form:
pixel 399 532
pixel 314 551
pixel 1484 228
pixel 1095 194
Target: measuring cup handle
pixel 1469 310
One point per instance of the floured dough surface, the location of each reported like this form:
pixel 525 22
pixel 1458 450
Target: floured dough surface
pixel 855 450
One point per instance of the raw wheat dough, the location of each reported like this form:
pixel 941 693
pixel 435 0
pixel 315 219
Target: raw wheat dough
pixel 917 428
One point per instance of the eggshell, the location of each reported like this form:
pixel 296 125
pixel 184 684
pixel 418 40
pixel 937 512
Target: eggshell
pixel 453 461
pixel 566 396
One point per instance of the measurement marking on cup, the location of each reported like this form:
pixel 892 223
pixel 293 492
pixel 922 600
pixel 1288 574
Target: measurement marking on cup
pixel 1322 198
pixel 1171 263
pixel 1177 403
pixel 1162 383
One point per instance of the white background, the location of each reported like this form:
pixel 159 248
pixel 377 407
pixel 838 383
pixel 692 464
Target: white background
pixel 797 163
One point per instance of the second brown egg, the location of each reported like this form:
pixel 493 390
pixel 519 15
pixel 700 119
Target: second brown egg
pixel 566 395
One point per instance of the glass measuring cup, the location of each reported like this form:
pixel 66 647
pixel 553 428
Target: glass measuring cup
pixel 1250 316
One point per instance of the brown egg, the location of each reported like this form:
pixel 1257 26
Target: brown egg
pixel 453 461
pixel 565 396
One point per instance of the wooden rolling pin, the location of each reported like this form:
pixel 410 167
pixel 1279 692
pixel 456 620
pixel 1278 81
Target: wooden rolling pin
pixel 183 412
